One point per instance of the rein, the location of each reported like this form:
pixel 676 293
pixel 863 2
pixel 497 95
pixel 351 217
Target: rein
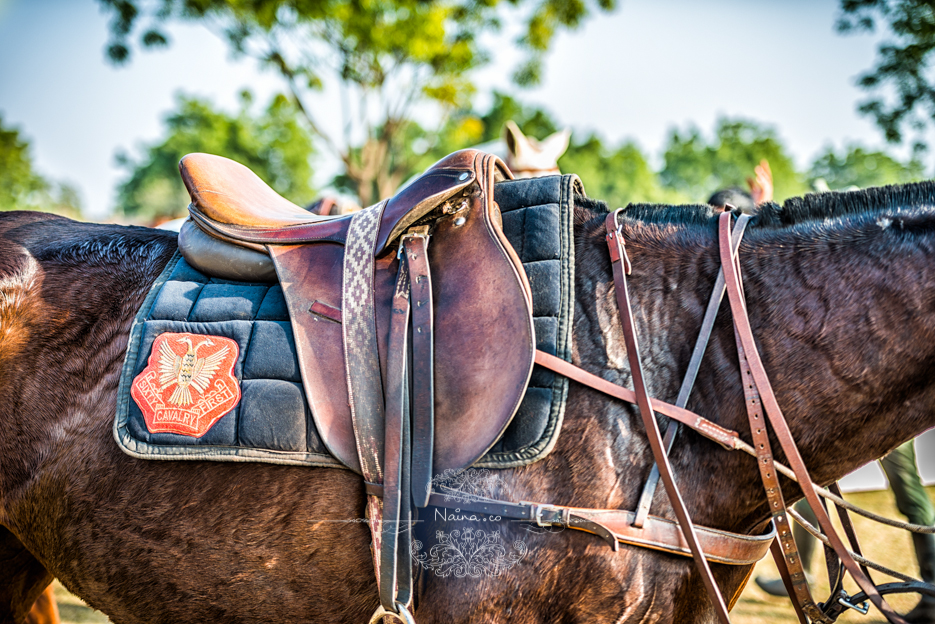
pixel 683 537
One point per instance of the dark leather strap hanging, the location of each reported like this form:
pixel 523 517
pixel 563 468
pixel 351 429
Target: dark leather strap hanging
pixel 423 357
pixel 621 266
pixel 409 403
pixel 778 422
pixel 688 381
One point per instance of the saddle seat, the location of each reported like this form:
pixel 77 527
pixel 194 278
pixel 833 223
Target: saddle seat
pixel 233 203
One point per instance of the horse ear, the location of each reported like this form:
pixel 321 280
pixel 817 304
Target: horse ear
pixel 516 141
pixel 556 144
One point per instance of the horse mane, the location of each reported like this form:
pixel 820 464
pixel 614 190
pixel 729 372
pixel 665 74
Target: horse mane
pixel 842 203
pixel 795 210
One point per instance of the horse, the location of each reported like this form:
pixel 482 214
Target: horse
pixel 527 157
pixel 839 289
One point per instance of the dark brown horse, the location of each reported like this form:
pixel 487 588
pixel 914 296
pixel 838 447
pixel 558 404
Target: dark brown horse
pixel 841 293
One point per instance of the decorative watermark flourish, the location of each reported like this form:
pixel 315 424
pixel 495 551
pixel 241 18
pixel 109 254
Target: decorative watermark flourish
pixel 464 486
pixel 474 553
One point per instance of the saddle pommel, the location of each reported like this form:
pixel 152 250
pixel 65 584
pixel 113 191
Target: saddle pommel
pixel 438 184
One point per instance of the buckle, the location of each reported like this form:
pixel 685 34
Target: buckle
pixel 862 608
pixel 538 508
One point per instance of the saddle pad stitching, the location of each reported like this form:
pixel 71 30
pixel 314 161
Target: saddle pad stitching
pixel 144 450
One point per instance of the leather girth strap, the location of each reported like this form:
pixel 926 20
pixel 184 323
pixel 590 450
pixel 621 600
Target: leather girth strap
pixel 757 374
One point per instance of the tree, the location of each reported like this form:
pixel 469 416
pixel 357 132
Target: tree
pixel 902 90
pixel 857 166
pixel 619 176
pixel 386 56
pixel 272 143
pixel 696 167
pixel 22 188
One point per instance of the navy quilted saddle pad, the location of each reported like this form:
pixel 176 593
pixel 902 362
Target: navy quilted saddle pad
pixel 271 422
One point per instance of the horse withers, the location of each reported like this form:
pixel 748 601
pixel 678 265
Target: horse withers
pixel 838 289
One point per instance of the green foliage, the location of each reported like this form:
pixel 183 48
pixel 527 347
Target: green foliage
pixel 273 144
pixel 22 188
pixel 618 176
pixel 901 87
pixel 389 55
pixel 856 166
pixel 696 167
pixel 369 38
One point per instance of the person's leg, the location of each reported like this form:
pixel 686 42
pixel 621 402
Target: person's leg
pixel 806 544
pixel 914 503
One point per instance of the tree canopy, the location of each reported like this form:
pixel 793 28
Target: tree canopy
pixel 22 187
pixel 860 167
pixel 387 56
pixel 272 143
pixel 900 87
pixel 697 167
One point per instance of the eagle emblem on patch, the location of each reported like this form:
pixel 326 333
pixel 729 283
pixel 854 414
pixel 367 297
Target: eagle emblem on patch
pixel 188 383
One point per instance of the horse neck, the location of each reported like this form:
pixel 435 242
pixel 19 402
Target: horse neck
pixel 846 330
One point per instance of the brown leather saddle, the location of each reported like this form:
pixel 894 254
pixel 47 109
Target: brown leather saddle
pixel 396 400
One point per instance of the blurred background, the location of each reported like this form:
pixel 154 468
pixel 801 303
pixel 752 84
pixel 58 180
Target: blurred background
pixel 667 100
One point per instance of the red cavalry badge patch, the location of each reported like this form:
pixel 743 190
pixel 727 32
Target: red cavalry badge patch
pixel 188 383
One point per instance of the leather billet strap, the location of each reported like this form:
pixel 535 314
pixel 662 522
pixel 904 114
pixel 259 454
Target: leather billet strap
pixel 396 508
pixel 777 420
pixel 620 269
pixel 691 373
pixel 415 250
pixel 408 406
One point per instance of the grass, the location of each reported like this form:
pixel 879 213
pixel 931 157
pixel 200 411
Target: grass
pixel 885 545
pixel 73 610
pixel 888 546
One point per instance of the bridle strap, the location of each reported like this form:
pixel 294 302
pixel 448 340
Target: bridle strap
pixel 784 550
pixel 780 427
pixel 691 373
pixel 617 255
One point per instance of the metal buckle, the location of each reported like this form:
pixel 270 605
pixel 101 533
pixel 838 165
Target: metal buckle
pixel 416 231
pixel 538 508
pixel 403 614
pixel 862 608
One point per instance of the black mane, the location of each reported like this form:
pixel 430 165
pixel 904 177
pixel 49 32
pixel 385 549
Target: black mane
pixel 811 207
pixel 840 203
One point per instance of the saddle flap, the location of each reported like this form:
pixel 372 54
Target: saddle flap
pixel 484 342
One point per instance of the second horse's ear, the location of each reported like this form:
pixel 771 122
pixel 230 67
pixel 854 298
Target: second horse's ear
pixel 555 144
pixel 516 141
